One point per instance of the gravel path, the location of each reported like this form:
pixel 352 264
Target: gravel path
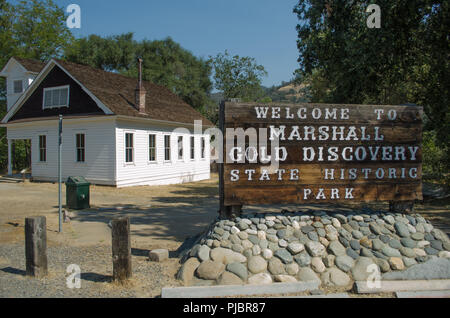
pixel 96 272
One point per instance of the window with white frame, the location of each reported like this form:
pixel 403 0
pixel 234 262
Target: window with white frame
pixel 167 148
pixel 81 147
pixel 203 147
pixel 129 147
pixel 43 148
pixel 18 86
pixel 180 148
pixel 55 97
pixel 152 147
pixel 192 147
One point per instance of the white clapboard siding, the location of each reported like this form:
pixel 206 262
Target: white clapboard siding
pixel 143 172
pixel 15 73
pixel 99 167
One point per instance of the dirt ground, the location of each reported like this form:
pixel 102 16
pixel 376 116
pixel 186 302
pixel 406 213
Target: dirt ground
pixel 161 217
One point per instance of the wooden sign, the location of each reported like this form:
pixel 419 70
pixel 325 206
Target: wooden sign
pixel 314 153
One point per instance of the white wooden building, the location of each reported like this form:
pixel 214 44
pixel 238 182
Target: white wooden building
pixel 116 130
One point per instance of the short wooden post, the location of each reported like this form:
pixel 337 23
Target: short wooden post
pixel 121 249
pixel 36 246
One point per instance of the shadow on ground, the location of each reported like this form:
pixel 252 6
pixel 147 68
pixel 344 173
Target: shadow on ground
pixel 97 278
pixel 14 271
pixel 182 218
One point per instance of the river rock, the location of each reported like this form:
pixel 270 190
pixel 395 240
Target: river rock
pixel 228 278
pixel 284 255
pixel 336 248
pixel 317 265
pixel 226 256
pixel 306 274
pixel 238 269
pixel 257 264
pixel 315 248
pixel 295 247
pixel 187 270
pixel 344 262
pixel 303 259
pixel 276 267
pixel 210 270
pixel 260 279
pixel 396 263
pixel 335 277
pixel 362 269
pixel 401 229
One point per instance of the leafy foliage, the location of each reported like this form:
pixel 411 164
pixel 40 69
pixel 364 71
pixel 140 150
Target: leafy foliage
pixel 31 29
pixel 165 63
pixel 433 158
pixel 407 60
pixel 238 77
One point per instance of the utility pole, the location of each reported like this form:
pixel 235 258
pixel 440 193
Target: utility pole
pixel 60 172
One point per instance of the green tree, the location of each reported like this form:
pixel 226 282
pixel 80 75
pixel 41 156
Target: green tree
pixel 165 63
pixel 238 77
pixel 112 53
pixel 30 29
pixel 404 61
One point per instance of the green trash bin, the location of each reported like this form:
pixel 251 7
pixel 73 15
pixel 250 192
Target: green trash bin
pixel 77 193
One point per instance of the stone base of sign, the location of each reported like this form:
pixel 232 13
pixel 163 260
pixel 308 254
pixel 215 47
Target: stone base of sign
pixel 333 249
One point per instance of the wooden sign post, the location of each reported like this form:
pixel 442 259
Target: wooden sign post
pixel 317 153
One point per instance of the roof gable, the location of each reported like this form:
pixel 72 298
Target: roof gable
pixel 114 94
pixel 117 92
pixel 80 103
pixel 27 65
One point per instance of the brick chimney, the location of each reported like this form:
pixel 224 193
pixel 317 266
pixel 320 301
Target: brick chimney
pixel 140 92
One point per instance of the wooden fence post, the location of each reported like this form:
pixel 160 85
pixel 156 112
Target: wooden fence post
pixel 36 246
pixel 121 249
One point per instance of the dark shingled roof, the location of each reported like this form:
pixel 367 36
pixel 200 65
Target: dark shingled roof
pixel 31 65
pixel 117 91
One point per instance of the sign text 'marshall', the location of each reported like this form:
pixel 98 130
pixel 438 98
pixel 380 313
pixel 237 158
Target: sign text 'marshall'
pixel 321 153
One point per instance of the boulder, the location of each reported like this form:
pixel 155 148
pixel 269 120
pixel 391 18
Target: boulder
pixel 226 256
pixel 158 255
pixel 257 264
pixel 187 270
pixel 228 278
pixel 210 270
pixel 260 279
pixel 335 277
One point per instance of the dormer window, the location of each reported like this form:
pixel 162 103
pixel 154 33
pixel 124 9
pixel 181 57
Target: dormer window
pixel 18 86
pixel 55 97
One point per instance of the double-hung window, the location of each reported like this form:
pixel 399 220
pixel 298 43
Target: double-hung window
pixel 152 148
pixel 180 148
pixel 192 147
pixel 81 147
pixel 129 147
pixel 167 148
pixel 56 97
pixel 18 86
pixel 43 148
pixel 203 147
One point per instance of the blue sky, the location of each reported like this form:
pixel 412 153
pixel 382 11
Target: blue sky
pixel 263 29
